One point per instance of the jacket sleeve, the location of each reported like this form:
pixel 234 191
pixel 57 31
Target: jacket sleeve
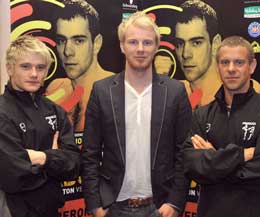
pixel 208 166
pixel 181 183
pixel 16 172
pixel 63 163
pixel 92 152
pixel 249 170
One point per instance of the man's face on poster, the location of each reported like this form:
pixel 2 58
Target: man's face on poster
pixel 74 45
pixel 193 48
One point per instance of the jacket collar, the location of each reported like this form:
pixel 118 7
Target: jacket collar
pixel 238 99
pixel 23 95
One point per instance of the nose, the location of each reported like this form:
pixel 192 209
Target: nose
pixel 231 66
pixel 186 51
pixel 68 48
pixel 34 72
pixel 140 46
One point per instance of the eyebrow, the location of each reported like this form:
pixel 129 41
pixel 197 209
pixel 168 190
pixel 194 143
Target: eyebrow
pixel 190 39
pixel 74 36
pixel 197 38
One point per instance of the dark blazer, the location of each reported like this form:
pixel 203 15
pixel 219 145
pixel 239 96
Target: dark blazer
pixel 104 141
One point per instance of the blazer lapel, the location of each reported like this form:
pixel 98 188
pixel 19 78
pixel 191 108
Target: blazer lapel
pixel 117 94
pixel 159 95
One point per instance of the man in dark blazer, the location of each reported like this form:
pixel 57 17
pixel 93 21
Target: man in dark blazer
pixel 136 123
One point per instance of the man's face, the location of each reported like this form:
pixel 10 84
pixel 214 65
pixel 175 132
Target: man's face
pixel 74 46
pixel 193 48
pixel 234 68
pixel 28 72
pixel 139 48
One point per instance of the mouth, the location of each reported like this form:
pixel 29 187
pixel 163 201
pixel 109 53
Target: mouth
pixel 188 66
pixel 140 57
pixel 33 82
pixel 69 64
pixel 231 78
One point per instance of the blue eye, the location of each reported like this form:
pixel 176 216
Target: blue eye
pixel 147 43
pixel 239 62
pixel 133 42
pixel 41 67
pixel 26 66
pixel 224 62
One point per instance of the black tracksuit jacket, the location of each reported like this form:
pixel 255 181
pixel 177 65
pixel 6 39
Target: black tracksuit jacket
pixel 27 123
pixel 229 187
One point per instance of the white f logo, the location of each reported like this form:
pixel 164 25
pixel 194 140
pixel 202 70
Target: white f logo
pixel 52 120
pixel 249 129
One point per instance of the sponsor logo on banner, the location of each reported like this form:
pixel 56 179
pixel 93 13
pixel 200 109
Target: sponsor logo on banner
pixel 252 12
pixel 251 1
pixel 129 5
pixel 126 15
pixel 254 29
pixel 256 46
pixel 74 208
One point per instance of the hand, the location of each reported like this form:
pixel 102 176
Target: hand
pixel 100 212
pixel 36 157
pixel 55 140
pixel 168 211
pixel 199 143
pixel 249 153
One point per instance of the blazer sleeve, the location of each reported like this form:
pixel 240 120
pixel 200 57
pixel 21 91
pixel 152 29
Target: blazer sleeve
pixel 92 152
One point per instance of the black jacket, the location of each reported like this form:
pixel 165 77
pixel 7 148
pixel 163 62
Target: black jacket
pixel 229 186
pixel 30 124
pixel 105 133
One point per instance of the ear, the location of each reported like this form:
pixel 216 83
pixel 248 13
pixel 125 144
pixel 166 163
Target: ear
pixel 215 44
pixel 122 47
pixel 98 41
pixel 253 66
pixel 9 69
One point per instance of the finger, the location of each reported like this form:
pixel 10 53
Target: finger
pixel 203 143
pixel 210 145
pixel 200 139
pixel 55 140
pixel 196 143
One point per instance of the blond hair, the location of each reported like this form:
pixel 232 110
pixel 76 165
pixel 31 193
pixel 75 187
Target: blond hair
pixel 27 44
pixel 139 19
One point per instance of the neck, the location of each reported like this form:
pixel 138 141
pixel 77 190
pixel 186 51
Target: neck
pixel 139 79
pixel 210 78
pixel 229 94
pixel 228 97
pixel 87 77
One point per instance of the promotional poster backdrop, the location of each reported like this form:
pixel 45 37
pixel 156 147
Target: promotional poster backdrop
pixel 35 17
